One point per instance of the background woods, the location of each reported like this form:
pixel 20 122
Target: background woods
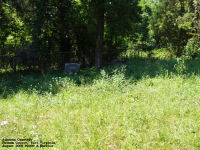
pixel 46 34
pixel 87 32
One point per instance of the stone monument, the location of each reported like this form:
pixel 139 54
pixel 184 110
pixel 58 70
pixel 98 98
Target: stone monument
pixel 72 68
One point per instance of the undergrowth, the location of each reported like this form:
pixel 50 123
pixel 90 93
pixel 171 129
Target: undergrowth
pixel 141 104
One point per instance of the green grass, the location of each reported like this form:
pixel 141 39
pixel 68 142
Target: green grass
pixel 143 104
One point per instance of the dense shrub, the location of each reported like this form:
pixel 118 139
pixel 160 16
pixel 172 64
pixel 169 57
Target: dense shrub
pixel 192 49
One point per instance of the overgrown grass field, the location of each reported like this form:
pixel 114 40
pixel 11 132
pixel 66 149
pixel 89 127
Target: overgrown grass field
pixel 141 104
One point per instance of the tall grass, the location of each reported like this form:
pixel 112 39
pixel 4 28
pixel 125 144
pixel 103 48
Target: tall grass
pixel 142 104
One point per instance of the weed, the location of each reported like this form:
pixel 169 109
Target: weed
pixel 139 105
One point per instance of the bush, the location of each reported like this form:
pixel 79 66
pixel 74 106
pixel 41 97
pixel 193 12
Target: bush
pixel 180 67
pixel 192 48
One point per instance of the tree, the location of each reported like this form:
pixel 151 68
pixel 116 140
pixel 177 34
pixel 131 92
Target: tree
pixel 91 32
pixel 100 29
pixel 165 26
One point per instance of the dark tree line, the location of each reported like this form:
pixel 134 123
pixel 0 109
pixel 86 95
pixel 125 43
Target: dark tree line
pixel 90 32
pixel 43 34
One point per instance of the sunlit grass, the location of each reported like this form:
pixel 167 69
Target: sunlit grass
pixel 112 111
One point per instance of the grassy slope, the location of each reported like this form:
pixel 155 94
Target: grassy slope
pixel 145 106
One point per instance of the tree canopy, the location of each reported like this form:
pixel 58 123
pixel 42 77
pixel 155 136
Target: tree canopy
pixel 93 32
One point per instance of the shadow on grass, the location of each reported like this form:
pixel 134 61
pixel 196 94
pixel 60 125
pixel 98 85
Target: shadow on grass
pixel 136 68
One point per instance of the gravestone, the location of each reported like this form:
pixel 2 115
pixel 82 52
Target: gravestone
pixel 72 68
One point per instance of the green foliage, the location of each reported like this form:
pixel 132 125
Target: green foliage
pixel 145 102
pixel 139 99
pixel 66 31
pixel 185 22
pixel 180 66
pixel 165 28
pixel 192 48
pixel 162 53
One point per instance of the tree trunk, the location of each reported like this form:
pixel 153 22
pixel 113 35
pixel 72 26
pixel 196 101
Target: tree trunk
pixel 190 6
pixel 63 30
pixel 182 7
pixel 100 36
